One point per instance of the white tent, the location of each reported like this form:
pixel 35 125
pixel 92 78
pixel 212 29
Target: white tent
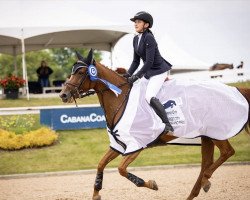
pixel 178 57
pixel 36 38
pixel 78 30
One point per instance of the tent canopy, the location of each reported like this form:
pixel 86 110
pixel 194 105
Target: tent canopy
pixel 101 38
pixel 8 44
pixel 60 28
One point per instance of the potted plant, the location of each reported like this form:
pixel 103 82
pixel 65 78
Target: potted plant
pixel 11 85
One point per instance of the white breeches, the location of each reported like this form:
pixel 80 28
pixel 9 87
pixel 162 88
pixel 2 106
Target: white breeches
pixel 154 85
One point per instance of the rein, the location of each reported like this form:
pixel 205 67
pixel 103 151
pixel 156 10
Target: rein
pixel 88 93
pixel 76 90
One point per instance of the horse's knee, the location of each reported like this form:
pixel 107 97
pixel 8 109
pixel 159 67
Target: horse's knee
pixel 122 171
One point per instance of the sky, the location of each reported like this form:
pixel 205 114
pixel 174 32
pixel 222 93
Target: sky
pixel 210 31
pixel 188 32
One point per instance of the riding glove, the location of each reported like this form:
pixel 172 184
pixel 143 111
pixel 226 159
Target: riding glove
pixel 126 75
pixel 132 79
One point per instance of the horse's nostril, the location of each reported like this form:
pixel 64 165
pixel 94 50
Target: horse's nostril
pixel 63 95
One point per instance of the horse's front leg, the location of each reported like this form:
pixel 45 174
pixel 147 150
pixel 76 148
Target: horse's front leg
pixel 133 178
pixel 109 156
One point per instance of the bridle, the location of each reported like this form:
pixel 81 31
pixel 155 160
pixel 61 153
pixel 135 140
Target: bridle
pixel 76 88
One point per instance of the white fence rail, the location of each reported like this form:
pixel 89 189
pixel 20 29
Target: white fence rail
pixel 36 109
pixel 224 76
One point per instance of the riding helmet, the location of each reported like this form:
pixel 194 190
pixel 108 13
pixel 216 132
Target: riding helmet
pixel 144 16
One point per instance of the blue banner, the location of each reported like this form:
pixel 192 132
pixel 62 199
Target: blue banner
pixel 73 118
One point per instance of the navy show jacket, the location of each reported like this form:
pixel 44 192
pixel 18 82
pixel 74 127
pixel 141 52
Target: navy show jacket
pixel 154 63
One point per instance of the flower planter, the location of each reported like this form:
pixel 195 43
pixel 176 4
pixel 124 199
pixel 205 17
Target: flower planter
pixel 11 93
pixel 11 85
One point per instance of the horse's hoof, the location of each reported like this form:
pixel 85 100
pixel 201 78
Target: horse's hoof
pixel 207 186
pixel 98 197
pixel 153 185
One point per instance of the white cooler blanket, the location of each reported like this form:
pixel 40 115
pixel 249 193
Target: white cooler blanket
pixel 194 109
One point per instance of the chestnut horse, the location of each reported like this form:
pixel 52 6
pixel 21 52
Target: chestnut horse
pixel 79 85
pixel 218 66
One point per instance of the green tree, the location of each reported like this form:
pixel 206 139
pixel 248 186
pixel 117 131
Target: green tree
pixel 59 59
pixel 33 60
pixel 7 65
pixel 65 58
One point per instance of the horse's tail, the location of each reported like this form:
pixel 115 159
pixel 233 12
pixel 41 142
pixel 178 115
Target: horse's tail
pixel 246 93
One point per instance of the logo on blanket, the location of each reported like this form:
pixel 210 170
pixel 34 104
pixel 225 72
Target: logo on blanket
pixel 174 112
pixel 170 104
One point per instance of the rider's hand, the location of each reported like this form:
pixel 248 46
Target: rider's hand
pixel 132 79
pixel 126 75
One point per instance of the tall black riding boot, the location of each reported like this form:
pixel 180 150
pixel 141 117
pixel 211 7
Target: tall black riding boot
pixel 160 111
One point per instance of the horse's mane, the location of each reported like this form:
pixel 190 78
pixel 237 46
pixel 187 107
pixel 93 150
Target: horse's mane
pixel 110 70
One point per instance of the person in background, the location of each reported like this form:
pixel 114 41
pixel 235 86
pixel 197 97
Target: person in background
pixel 43 72
pixel 155 67
pixel 241 65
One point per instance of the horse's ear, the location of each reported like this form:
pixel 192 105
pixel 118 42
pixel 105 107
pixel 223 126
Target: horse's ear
pixel 79 56
pixel 90 57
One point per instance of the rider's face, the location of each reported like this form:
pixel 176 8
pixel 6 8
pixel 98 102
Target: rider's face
pixel 140 25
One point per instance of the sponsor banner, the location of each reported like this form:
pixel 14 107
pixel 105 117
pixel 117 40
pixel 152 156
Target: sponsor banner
pixel 73 118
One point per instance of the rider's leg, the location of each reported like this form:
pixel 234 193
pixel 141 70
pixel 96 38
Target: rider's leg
pixel 154 85
pixel 160 111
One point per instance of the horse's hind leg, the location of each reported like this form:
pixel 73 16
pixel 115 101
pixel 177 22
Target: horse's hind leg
pixel 109 156
pixel 133 178
pixel 226 151
pixel 207 151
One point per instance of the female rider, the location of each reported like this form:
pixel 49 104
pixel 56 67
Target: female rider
pixel 155 67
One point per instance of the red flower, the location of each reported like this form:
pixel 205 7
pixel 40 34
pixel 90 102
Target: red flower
pixel 12 82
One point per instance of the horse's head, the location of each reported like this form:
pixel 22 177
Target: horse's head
pixel 231 66
pixel 79 81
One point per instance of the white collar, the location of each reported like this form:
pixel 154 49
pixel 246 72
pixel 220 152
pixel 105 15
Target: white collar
pixel 139 35
pixel 139 39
